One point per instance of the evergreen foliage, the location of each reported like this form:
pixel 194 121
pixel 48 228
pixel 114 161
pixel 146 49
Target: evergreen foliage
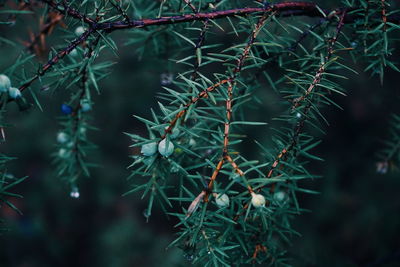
pixel 233 209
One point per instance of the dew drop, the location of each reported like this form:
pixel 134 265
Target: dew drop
pixel 147 214
pixel 74 192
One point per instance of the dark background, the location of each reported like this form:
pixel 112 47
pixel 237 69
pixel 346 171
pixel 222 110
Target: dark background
pixel 354 221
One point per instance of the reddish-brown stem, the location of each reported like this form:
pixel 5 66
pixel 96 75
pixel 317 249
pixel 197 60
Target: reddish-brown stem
pixel 189 4
pixel 46 29
pixel 258 248
pixel 322 67
pixel 202 94
pixel 300 125
pixel 64 8
pixel 57 57
pixel 228 105
pixel 384 17
pixel 285 9
pixel 294 9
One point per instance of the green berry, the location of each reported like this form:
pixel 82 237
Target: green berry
pixel 165 149
pixel 280 196
pixel 62 137
pixel 14 92
pixel 85 106
pixel 149 149
pixel 222 200
pixel 63 153
pixel 5 83
pixel 79 30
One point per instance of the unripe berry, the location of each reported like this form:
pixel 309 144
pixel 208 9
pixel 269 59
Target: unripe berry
pixel 85 106
pixel 149 149
pixel 257 200
pixel 165 149
pixel 192 142
pixel 63 153
pixel 62 137
pixel 79 30
pixel 222 200
pixel 280 196
pixel 14 92
pixel 5 83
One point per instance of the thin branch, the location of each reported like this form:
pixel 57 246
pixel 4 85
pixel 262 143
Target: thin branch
pixel 54 60
pixel 189 4
pixel 65 9
pixel 321 70
pixel 300 125
pixel 46 29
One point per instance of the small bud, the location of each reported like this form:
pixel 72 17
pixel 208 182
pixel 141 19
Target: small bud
pixel 63 153
pixel 280 196
pixel 222 200
pixel 85 106
pixel 165 149
pixel 79 30
pixel 5 83
pixel 14 92
pixel 257 200
pixel 298 115
pixel 82 130
pixel 192 142
pixel 149 149
pixel 66 109
pixel 62 137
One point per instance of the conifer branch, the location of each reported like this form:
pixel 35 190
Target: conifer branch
pixel 55 59
pixel 64 8
pixel 321 70
pixel 52 20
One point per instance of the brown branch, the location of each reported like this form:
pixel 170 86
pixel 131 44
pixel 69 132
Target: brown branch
pixel 231 80
pixel 285 8
pixel 384 17
pixel 258 248
pixel 194 100
pixel 321 70
pixel 300 125
pixel 199 44
pixel 46 29
pixel 122 12
pixel 189 4
pixel 302 8
pixel 54 60
pixel 315 82
pixel 65 9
